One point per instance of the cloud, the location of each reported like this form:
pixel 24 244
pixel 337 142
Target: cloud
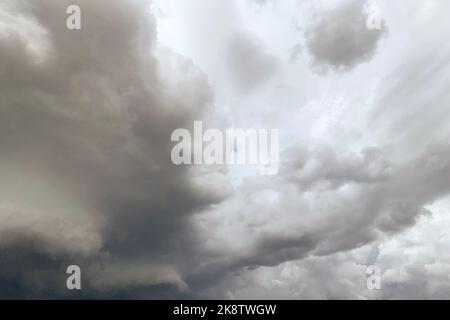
pixel 48 234
pixel 85 123
pixel 248 63
pixel 328 169
pixel 414 265
pixel 340 40
pixel 85 136
pixel 130 275
pixel 301 221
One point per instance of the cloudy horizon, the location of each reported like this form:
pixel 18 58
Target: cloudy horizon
pixel 87 115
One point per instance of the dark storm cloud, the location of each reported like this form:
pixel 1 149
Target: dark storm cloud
pixel 85 137
pixel 340 38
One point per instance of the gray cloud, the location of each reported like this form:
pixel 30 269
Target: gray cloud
pixel 330 170
pixel 340 39
pixel 364 204
pixel 87 132
pixel 248 63
pixel 85 124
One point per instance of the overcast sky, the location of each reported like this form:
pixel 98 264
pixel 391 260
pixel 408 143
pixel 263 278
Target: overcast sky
pixel 86 118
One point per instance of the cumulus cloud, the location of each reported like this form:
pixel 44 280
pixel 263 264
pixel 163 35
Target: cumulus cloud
pixel 340 40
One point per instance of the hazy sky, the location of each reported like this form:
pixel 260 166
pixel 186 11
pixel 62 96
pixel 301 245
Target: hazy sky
pixel 86 118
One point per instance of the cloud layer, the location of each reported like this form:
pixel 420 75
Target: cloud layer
pixel 85 123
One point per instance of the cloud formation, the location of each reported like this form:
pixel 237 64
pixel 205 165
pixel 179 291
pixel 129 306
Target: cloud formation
pixel 85 123
pixel 248 63
pixel 84 137
pixel 340 38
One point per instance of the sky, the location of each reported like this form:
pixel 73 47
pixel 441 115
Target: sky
pixel 86 118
